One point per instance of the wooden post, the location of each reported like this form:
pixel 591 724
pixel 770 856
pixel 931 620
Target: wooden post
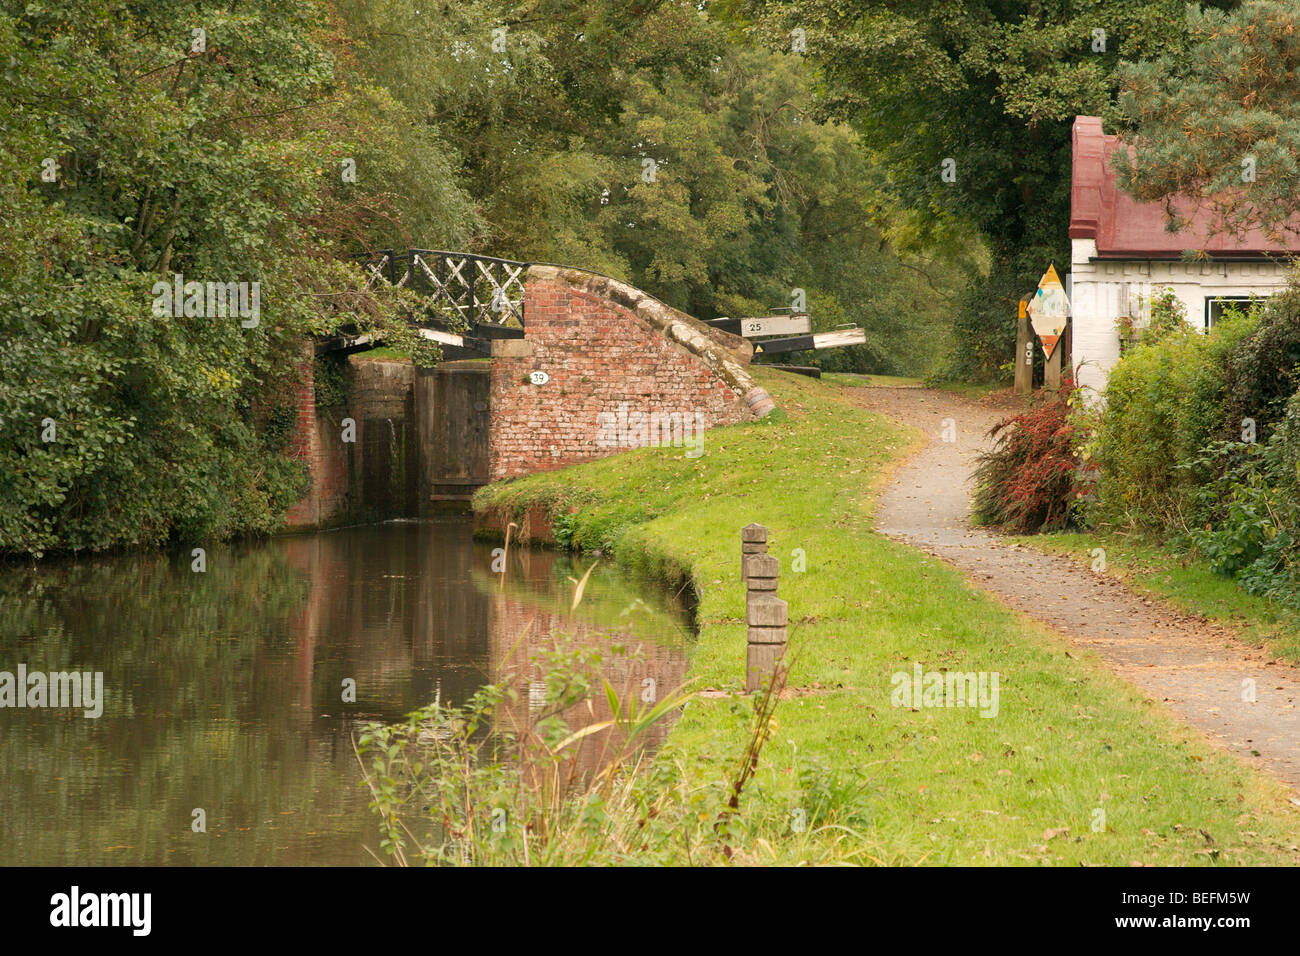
pixel 1052 368
pixel 753 540
pixel 1024 350
pixel 766 615
pixel 1067 349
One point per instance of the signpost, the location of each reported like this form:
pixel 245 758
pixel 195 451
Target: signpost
pixel 1024 350
pixel 1049 311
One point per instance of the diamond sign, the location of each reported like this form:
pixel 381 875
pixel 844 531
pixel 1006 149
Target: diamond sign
pixel 1049 310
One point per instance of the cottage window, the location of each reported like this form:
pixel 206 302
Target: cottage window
pixel 1216 305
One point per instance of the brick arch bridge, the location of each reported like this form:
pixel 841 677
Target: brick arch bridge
pixel 545 366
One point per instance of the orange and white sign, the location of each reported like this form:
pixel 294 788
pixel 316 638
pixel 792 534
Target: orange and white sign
pixel 1049 310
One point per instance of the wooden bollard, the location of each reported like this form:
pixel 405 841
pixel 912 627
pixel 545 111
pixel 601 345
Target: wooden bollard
pixel 766 616
pixel 753 540
pixel 1024 350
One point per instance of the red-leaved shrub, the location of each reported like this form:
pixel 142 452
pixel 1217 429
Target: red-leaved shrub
pixel 1029 480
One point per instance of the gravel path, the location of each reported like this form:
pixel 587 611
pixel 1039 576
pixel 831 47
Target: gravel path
pixel 1195 667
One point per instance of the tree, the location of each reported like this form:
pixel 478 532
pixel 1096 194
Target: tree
pixel 143 141
pixel 968 105
pixel 260 144
pixel 1221 124
pixel 651 143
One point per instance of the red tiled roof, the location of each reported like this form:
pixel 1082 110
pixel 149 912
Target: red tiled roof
pixel 1128 229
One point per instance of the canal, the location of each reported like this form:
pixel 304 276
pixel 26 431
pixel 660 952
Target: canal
pixel 224 689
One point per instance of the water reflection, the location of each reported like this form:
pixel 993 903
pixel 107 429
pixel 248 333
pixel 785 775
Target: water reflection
pixel 224 689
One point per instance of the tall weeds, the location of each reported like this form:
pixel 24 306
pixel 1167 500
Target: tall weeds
pixel 497 781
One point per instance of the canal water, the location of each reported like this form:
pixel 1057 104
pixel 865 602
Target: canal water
pixel 223 690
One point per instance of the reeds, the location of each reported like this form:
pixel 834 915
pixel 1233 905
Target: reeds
pixel 476 785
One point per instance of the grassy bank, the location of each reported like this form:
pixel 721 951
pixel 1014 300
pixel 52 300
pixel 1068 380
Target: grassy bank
pixel 1076 767
pixel 1185 582
pixel 853 379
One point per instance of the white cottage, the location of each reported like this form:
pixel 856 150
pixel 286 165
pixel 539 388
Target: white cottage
pixel 1122 255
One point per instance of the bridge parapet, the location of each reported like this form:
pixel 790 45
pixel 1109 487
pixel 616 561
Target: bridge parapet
pixel 621 370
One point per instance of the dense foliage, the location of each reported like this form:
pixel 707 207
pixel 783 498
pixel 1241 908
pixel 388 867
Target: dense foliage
pixel 1199 445
pixel 1221 122
pixel 1165 401
pixel 135 149
pixel 261 144
pixel 1264 372
pixel 993 86
pixel 654 143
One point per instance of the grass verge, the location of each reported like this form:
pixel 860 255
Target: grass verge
pixel 1185 582
pixel 854 379
pixel 1076 767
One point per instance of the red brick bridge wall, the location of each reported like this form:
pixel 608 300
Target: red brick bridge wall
pixel 603 345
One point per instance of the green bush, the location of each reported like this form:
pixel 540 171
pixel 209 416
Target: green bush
pixel 1285 440
pixel 1173 456
pixel 1242 502
pixel 121 422
pixel 1168 316
pixel 1260 374
pixel 1165 401
pixel 1251 530
pixel 1203 408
